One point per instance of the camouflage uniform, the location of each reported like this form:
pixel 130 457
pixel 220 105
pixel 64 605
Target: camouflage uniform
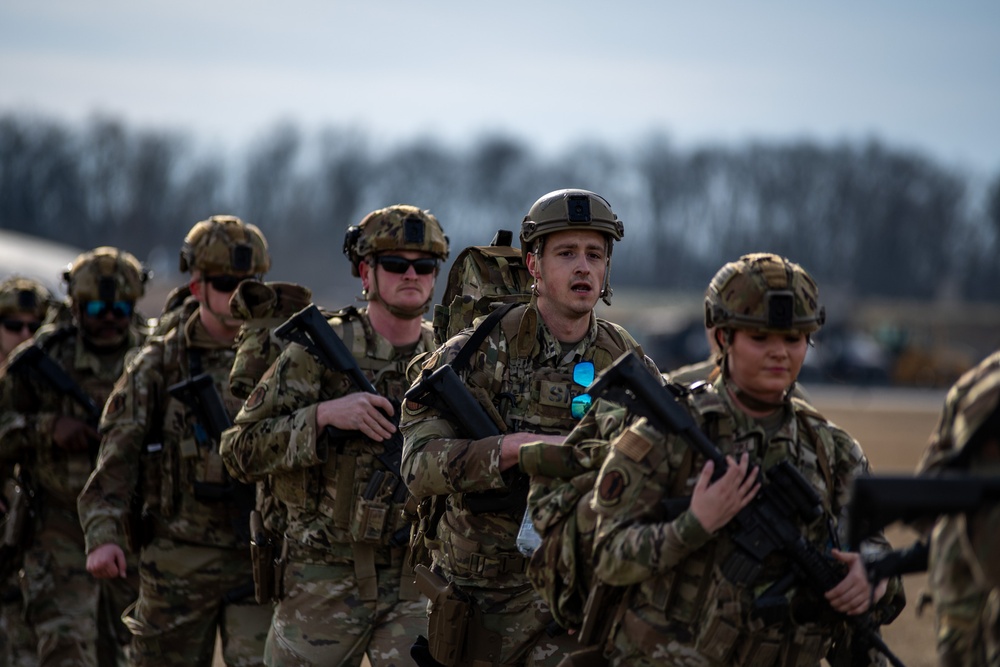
pixel 18 645
pixel 679 609
pixel 196 578
pixel 963 572
pixel 523 377
pixel 346 593
pixel 74 616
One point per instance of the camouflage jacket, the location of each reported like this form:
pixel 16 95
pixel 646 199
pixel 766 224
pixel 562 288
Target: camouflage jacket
pixel 154 447
pixel 673 565
pixel 30 408
pixel 964 564
pixel 523 377
pixel 321 480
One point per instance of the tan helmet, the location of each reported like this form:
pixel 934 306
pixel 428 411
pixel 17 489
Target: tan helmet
pixel 763 291
pixel 23 295
pixel 569 209
pixel 224 244
pixel 972 403
pixel 399 227
pixel 572 209
pixel 105 274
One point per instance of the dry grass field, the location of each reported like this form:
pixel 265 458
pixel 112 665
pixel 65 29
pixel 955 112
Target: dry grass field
pixel 893 427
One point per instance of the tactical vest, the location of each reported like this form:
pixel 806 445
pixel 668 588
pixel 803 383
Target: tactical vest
pixel 185 482
pixel 360 496
pixel 59 473
pixel 695 594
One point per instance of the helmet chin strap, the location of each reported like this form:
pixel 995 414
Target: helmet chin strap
pixel 402 313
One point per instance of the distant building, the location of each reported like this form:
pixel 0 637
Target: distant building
pixel 36 258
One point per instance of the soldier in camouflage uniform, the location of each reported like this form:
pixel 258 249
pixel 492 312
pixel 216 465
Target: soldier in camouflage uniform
pixel 56 438
pixel 679 609
pixel 158 457
pixel 522 373
pixel 964 567
pixel 23 306
pixel 345 595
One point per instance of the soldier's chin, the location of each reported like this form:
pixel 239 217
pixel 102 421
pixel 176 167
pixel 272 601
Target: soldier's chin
pixel 107 338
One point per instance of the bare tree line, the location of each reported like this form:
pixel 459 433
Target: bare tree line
pixel 866 219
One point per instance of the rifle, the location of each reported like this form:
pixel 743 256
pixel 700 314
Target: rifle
pixel 767 524
pixel 879 500
pixel 17 521
pixel 211 419
pixel 444 391
pixel 310 329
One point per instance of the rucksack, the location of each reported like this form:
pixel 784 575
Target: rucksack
pixel 481 278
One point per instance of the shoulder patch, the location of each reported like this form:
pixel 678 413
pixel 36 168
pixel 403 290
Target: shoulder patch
pixel 633 445
pixel 255 398
pixel 612 486
pixel 115 405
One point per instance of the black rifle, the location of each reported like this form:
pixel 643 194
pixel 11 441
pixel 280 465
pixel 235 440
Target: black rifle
pixel 34 362
pixel 310 329
pixel 444 391
pixel 879 500
pixel 767 524
pixel 211 419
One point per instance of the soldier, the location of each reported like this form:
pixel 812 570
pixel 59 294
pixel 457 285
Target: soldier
pixel 160 484
pixel 527 370
pixel 344 592
pixel 964 565
pixel 55 387
pixel 23 307
pixel 679 608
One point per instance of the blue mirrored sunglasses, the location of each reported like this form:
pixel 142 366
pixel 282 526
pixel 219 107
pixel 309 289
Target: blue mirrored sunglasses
pixel 583 375
pixel 102 308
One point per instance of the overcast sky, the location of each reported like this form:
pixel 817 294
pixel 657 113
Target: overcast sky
pixel 916 74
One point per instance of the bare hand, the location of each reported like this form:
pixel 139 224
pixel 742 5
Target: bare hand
pixel 853 595
pixel 74 435
pixel 358 412
pixel 106 561
pixel 714 504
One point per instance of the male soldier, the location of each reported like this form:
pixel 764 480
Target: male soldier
pixel 964 565
pixel 522 370
pixel 344 593
pixel 23 307
pixel 55 439
pixel 160 453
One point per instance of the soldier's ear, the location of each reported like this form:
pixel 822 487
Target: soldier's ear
pixel 532 263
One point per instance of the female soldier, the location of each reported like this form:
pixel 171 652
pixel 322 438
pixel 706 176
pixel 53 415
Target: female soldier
pixel 685 604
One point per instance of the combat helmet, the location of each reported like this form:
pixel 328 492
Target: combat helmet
pixel 224 244
pixel 23 295
pixel 572 209
pixel 398 227
pixel 105 274
pixel 971 409
pixel 764 291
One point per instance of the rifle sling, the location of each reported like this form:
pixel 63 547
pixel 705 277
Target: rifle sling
pixel 461 360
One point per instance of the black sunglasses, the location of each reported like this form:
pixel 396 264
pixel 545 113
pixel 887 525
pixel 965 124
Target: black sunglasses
pixel 225 282
pixel 395 264
pixel 102 308
pixel 16 326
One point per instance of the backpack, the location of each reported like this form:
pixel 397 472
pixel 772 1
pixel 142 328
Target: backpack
pixel 481 278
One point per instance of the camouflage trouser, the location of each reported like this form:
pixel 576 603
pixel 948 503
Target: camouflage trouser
pixel 18 646
pixel 322 621
pixel 528 635
pixel 182 604
pixel 74 616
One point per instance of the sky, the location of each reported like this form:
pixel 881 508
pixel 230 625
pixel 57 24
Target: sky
pixel 914 74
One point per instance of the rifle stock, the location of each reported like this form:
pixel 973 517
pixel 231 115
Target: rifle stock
pixel 310 329
pixel 879 500
pixel 199 394
pixel 764 526
pixel 33 361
